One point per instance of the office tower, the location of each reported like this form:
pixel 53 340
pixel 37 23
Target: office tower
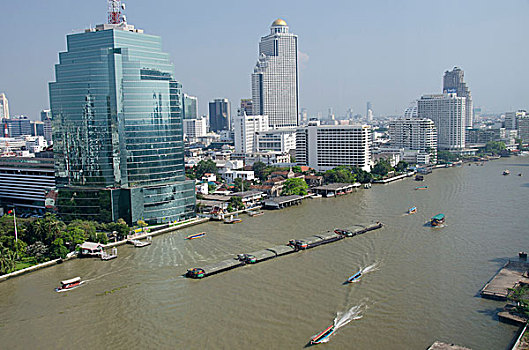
pixel 523 129
pixel 245 128
pixel 17 126
pixel 414 134
pixel 247 106
pixel 511 119
pixel 194 128
pixel 189 107
pixel 37 127
pixel 4 107
pixel 369 112
pixel 275 77
pixel 326 147
pixel 117 128
pixel 453 83
pixel 219 115
pixel 447 111
pixel 45 116
pixel 277 140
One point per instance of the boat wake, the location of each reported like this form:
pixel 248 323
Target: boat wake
pixel 343 318
pixel 371 268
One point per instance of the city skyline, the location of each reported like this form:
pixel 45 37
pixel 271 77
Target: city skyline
pixel 362 52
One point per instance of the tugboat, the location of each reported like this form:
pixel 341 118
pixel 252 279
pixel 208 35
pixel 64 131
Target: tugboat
pixel 412 210
pixel 321 337
pixel 195 273
pixel 342 232
pixel 247 258
pixel 437 220
pixel 354 277
pixel 196 235
pixel 69 284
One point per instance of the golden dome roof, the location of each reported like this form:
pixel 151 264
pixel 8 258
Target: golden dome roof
pixel 279 22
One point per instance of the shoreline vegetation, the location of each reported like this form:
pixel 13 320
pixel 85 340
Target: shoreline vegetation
pixel 48 240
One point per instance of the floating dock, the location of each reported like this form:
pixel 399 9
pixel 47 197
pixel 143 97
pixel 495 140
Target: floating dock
pixel 508 277
pixel 293 246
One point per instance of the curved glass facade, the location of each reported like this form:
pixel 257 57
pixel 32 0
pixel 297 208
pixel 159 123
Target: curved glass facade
pixel 117 126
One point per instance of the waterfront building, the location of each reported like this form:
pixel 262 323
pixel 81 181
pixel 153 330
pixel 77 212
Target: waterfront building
pixel 189 107
pixel 523 129
pixel 4 107
pixel 278 140
pixel 17 126
pixel 325 147
pixel 476 136
pixel 447 111
pixel 219 115
pixel 511 119
pixel 118 139
pixel 245 128
pixel 275 77
pixel 414 134
pixel 453 82
pixel 26 181
pixel 247 106
pixel 194 128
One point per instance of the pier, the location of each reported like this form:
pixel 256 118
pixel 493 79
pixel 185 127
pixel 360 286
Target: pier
pixel 335 189
pixel 283 201
pixel 295 245
pixel 508 277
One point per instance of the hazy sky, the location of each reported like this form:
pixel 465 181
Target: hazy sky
pixel 387 52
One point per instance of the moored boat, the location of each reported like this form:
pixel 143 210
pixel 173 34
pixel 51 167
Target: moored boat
pixel 196 235
pixel 506 172
pixel 354 277
pixel 412 210
pixel 324 335
pixel 437 220
pixel 343 232
pixel 195 273
pixel 255 213
pixel 70 284
pixel 232 221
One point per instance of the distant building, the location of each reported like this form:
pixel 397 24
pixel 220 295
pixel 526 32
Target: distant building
pixel 326 147
pixel 37 128
pixel 278 140
pixel 453 82
pixel 447 111
pixel 414 134
pixel 523 129
pixel 275 77
pixel 194 128
pixel 45 117
pixel 45 114
pixel 4 107
pixel 511 119
pixel 247 106
pixel 219 115
pixel 189 107
pixel 17 126
pixel 245 128
pixel 369 112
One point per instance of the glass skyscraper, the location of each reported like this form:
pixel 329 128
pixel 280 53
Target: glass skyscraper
pixel 117 129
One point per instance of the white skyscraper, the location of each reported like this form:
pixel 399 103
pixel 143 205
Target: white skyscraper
pixel 275 77
pixel 4 107
pixel 414 134
pixel 448 112
pixel 245 128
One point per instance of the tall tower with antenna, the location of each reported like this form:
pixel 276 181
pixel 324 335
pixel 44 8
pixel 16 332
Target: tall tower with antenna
pixel 114 12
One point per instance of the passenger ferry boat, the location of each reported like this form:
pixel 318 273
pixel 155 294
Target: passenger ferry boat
pixel 412 210
pixel 195 273
pixel 70 284
pixel 196 235
pixel 437 220
pixel 354 277
pixel 324 335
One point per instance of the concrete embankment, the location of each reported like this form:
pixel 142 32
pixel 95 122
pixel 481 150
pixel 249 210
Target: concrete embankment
pixel 512 273
pixel 293 246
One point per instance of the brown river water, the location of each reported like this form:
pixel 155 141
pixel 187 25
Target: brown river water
pixel 421 283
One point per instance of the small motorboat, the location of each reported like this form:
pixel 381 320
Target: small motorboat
pixel 506 172
pixel 232 221
pixel 354 277
pixel 196 235
pixel 520 174
pixel 69 284
pixel 323 336
pixel 421 188
pixel 437 220
pixel 412 210
pixel 255 213
pixel 195 273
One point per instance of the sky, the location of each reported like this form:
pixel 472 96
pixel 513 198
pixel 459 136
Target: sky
pixel 384 51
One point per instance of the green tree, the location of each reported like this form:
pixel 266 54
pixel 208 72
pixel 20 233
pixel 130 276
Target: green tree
pixel 38 250
pixel 241 185
pixel 362 176
pixel 341 173
pixel 294 186
pixel 401 166
pixel 495 147
pixel 58 249
pixel 446 156
pixel 211 188
pixel 236 203
pixel 7 260
pixel 259 169
pixel 205 166
pixel 382 168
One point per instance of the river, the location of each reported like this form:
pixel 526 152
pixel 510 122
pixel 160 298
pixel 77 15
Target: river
pixel 423 288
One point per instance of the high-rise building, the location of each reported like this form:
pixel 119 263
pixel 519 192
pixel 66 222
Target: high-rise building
pixel 245 128
pixel 118 140
pixel 326 147
pixel 45 116
pixel 194 128
pixel 275 77
pixel 447 111
pixel 4 107
pixel 17 126
pixel 277 140
pixel 247 106
pixel 453 82
pixel 511 119
pixel 369 112
pixel 219 115
pixel 189 107
pixel 523 129
pixel 414 134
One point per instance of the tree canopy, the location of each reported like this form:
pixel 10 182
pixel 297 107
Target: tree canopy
pixel 294 186
pixel 382 168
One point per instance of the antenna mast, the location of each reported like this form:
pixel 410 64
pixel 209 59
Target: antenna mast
pixel 114 12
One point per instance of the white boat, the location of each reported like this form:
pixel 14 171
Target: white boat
pixel 139 244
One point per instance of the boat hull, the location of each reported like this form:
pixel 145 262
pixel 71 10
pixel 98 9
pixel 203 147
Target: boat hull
pixel 321 337
pixel 354 277
pixel 195 236
pixel 72 287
